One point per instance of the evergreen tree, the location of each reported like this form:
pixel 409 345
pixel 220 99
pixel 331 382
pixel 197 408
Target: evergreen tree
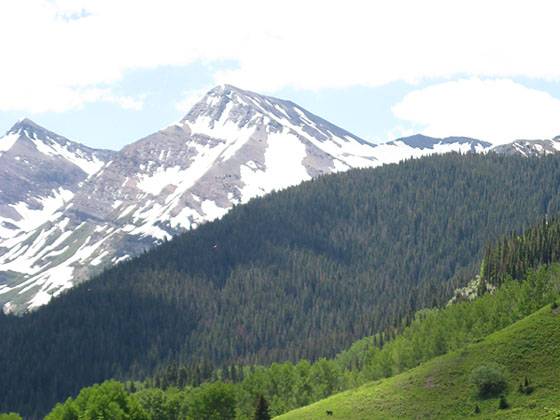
pixel 261 411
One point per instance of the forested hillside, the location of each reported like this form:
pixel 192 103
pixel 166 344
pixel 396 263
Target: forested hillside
pixel 514 254
pixel 284 386
pixel 298 274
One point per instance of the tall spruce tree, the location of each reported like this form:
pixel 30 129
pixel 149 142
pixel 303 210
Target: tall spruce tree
pixel 261 411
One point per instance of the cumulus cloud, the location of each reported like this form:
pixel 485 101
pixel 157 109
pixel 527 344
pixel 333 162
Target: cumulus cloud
pixel 55 50
pixel 497 110
pixel 59 98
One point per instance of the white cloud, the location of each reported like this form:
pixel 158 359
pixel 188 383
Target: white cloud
pixel 497 110
pixel 400 131
pixel 52 98
pixel 54 51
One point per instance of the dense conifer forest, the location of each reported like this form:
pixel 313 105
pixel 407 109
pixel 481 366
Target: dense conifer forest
pixel 513 255
pixel 299 274
pixel 244 392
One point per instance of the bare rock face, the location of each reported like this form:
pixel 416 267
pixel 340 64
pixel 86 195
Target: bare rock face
pixel 67 211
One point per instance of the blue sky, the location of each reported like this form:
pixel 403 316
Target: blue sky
pixel 364 111
pixel 107 73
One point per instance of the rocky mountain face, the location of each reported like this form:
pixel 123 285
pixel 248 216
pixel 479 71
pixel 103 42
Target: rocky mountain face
pixel 35 161
pixel 530 147
pixel 68 211
pixel 41 174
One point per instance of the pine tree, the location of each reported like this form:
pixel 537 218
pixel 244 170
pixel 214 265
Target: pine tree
pixel 233 374
pixel 261 411
pixel 182 377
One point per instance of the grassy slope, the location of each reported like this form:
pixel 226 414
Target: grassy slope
pixel 441 389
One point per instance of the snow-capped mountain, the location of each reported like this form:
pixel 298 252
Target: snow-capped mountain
pixel 68 210
pixel 419 145
pixel 41 172
pixel 530 147
pixel 34 161
pixel 232 146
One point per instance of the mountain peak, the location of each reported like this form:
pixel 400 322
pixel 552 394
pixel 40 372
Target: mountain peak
pixel 230 92
pixel 229 103
pixel 25 124
pixel 37 139
pixel 222 93
pixel 24 127
pixel 225 89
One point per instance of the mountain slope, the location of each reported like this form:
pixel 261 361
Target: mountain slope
pixel 441 388
pixel 36 164
pixel 530 147
pixel 41 173
pixel 101 208
pixel 419 145
pixel 336 258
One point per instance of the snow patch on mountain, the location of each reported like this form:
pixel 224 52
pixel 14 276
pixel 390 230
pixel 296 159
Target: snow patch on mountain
pixel 39 209
pixel 8 141
pixel 154 183
pixel 90 165
pixel 283 167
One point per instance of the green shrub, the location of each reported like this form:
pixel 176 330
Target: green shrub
pixel 526 388
pixel 10 416
pixel 503 405
pixel 490 380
